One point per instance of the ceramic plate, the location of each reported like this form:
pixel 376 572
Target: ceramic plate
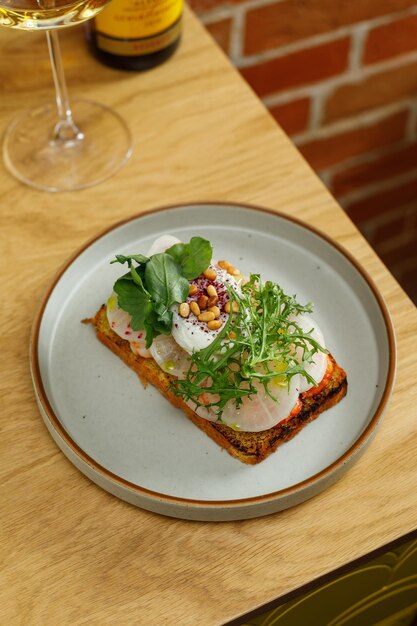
pixel 133 443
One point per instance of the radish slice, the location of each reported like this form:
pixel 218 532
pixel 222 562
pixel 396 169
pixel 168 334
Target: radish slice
pixel 162 243
pixel 119 321
pixel 260 412
pixel 170 357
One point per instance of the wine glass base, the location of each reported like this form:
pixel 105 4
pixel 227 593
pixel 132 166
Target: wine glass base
pixel 33 156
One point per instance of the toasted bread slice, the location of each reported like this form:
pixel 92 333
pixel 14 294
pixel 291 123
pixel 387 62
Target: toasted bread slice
pixel 248 447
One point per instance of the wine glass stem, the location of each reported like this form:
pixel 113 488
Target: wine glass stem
pixel 65 132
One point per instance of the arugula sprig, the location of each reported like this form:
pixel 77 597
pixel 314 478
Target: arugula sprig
pixel 155 283
pixel 257 346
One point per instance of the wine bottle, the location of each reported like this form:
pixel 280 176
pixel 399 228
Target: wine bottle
pixel 136 34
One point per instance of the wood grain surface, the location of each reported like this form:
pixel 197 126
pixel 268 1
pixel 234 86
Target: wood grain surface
pixel 70 552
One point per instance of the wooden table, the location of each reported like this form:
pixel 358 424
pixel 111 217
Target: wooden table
pixel 73 554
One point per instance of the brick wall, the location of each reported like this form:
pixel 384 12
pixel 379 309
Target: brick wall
pixel 340 76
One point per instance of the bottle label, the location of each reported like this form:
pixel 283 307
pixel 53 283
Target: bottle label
pixel 137 19
pixel 138 47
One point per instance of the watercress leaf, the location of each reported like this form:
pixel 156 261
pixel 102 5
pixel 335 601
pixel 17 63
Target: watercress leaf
pixel 138 276
pixel 151 333
pixel 193 257
pixel 163 314
pixel 120 258
pixel 139 258
pixel 161 323
pixel 164 280
pixel 136 302
pixel 127 276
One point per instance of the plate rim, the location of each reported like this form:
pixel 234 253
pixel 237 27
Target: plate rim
pixel 315 479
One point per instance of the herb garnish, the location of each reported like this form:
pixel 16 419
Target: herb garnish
pixel 193 258
pixel 258 343
pixel 151 287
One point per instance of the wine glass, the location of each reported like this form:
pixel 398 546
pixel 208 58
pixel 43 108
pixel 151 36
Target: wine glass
pixel 61 148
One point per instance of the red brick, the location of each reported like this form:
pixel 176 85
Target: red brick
pixel 220 31
pixel 293 116
pixel 321 153
pixel 413 221
pixel 402 254
pixel 299 68
pixel 374 91
pixel 408 281
pixel 200 6
pixel 390 40
pixel 380 203
pixel 392 228
pixel 278 24
pixel 393 164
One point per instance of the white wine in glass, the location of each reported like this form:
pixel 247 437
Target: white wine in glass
pixel 62 147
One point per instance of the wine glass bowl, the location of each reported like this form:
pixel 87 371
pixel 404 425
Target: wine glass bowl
pixel 32 15
pixel 66 147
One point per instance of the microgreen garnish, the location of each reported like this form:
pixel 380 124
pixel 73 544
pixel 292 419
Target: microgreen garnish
pixel 258 343
pixel 152 286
